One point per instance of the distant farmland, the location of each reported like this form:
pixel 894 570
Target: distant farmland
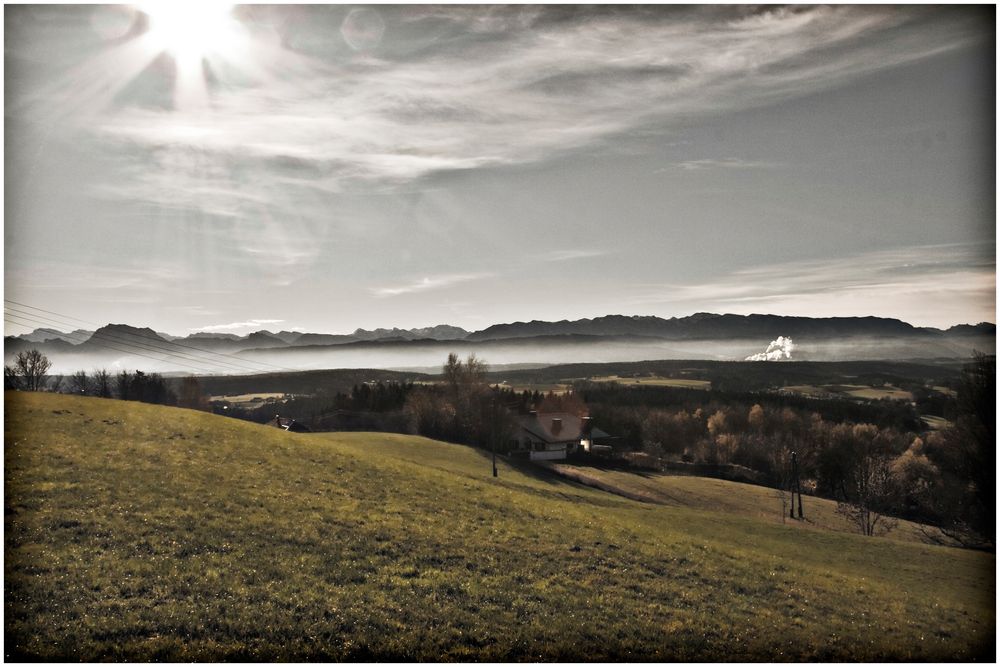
pixel 655 381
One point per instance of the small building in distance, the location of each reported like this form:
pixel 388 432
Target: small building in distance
pixel 555 435
pixel 288 424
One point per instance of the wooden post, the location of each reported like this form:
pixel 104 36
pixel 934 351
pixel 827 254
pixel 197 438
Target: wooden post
pixel 798 487
pixel 493 433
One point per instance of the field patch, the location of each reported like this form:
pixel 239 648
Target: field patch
pixel 936 423
pixel 849 390
pixel 877 393
pixel 541 387
pixel 808 390
pixel 655 381
pixel 250 400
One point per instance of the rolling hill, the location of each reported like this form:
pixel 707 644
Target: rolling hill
pixel 137 532
pixel 720 496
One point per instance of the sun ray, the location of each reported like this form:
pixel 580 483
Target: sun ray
pixel 91 86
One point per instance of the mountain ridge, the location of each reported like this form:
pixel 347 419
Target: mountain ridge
pixel 712 326
pixel 697 326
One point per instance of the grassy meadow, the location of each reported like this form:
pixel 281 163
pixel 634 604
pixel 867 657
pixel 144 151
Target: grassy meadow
pixel 139 532
pixel 722 496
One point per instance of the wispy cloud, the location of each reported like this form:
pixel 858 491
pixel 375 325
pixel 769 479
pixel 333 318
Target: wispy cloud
pixel 568 255
pixel 235 326
pixel 455 88
pixel 428 283
pixel 126 283
pixel 925 285
pixel 725 163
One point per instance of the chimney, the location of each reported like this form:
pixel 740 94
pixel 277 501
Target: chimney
pixel 586 427
pixel 556 425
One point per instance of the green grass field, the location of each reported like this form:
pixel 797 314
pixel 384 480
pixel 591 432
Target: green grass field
pixel 877 393
pixel 655 381
pixel 137 532
pixel 722 496
pixel 851 391
pixel 249 400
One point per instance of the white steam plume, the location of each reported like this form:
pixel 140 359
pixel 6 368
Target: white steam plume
pixel 780 348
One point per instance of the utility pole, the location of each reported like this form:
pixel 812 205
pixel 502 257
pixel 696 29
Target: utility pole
pixel 493 432
pixel 796 487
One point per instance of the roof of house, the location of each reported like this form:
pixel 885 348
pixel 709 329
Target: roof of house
pixel 289 424
pixel 558 427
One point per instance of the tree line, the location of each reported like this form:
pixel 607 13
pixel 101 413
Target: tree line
pixel 891 466
pixel 30 372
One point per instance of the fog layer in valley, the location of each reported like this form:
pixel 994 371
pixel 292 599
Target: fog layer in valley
pixel 429 356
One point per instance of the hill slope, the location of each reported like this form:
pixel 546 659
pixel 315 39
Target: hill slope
pixel 139 532
pixel 721 496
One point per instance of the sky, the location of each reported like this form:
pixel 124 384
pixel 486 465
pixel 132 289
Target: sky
pixel 206 167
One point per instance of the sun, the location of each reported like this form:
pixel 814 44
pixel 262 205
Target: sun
pixel 190 32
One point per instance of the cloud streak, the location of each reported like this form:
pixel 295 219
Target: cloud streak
pixel 428 283
pixel 570 255
pixel 935 286
pixel 234 326
pixel 725 163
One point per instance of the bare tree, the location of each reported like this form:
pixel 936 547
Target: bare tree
pixel 190 396
pixel 123 384
pixel 102 383
pixel 466 385
pixel 871 492
pixel 79 383
pixel 782 466
pixel 30 370
pixel 11 380
pixel 453 371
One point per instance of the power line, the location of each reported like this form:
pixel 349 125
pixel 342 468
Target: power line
pixel 38 319
pixel 172 343
pixel 124 341
pixel 190 347
pixel 117 349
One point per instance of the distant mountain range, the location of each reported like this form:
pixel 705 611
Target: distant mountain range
pixel 125 334
pixel 43 335
pixel 123 339
pixel 709 326
pixel 700 326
